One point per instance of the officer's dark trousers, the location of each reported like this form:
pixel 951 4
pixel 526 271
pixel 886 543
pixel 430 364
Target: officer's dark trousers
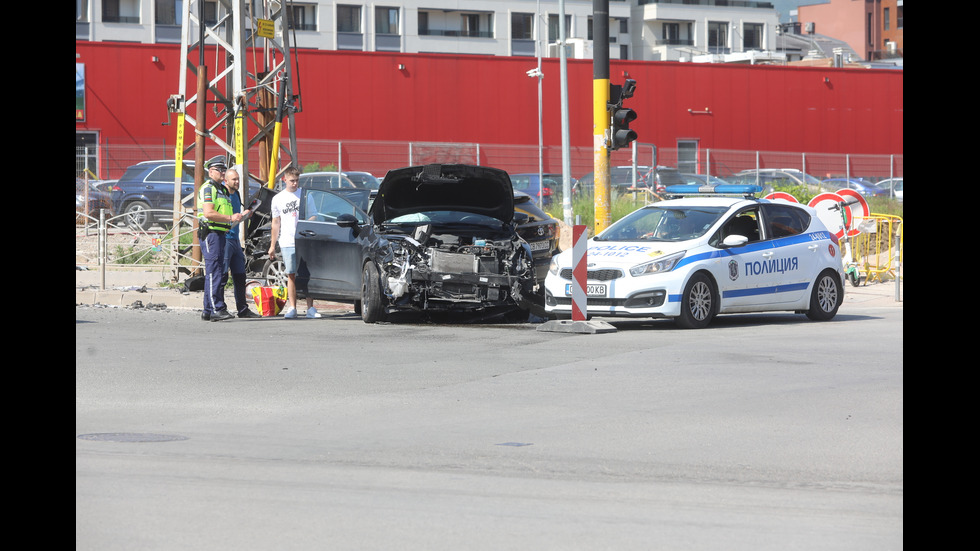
pixel 235 261
pixel 215 271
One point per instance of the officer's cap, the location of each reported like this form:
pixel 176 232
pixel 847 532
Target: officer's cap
pixel 218 163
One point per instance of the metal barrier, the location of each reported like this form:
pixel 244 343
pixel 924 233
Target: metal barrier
pixel 877 249
pixel 115 242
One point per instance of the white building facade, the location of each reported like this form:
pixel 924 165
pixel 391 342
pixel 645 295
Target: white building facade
pixel 667 30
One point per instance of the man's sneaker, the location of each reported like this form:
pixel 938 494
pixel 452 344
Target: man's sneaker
pixel 290 313
pixel 312 313
pixel 246 313
pixel 221 315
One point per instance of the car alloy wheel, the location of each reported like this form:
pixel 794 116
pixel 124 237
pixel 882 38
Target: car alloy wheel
pixel 698 303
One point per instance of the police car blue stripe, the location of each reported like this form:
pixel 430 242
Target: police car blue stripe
pixel 772 290
pixel 757 246
pixel 755 291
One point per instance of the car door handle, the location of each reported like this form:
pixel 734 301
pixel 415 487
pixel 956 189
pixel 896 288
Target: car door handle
pixel 813 247
pixel 308 233
pixel 767 254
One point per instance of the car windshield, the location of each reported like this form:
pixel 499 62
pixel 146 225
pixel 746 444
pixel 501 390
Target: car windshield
pixel 676 223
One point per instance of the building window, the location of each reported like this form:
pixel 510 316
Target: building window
pixel 120 11
pixel 386 21
pixel 348 19
pixel 167 13
pixel 752 36
pixel 887 19
pixel 717 37
pixel 423 23
pixel 522 26
pixel 81 10
pixel 302 17
pixel 553 29
pixel 624 26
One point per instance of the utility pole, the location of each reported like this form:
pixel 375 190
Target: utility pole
pixel 600 112
pixel 255 85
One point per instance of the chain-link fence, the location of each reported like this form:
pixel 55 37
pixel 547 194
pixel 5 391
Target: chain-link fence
pixel 110 161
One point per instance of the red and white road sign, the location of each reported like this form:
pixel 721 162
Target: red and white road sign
pixel 579 272
pixel 826 205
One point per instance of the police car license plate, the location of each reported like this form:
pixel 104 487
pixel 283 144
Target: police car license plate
pixel 595 290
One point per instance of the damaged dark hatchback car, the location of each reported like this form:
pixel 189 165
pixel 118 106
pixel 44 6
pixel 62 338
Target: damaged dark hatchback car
pixel 437 238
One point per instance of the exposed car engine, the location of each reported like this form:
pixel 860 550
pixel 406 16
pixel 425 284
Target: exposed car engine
pixel 453 268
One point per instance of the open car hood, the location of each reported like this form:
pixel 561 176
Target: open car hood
pixel 465 188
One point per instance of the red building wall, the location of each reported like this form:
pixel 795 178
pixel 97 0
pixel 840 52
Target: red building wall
pixel 476 99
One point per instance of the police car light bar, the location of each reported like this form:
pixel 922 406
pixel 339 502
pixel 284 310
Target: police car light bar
pixel 746 190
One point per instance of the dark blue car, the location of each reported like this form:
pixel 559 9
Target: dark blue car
pixel 145 193
pixel 860 185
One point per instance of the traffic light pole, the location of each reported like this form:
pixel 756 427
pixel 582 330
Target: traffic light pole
pixel 600 112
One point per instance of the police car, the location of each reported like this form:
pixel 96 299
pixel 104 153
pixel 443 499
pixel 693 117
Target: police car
pixel 703 252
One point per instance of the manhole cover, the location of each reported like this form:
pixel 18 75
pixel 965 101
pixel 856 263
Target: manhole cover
pixel 131 437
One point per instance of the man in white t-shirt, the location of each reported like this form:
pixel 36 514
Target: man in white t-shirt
pixel 285 215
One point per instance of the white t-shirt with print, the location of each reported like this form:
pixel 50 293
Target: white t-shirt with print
pixel 285 205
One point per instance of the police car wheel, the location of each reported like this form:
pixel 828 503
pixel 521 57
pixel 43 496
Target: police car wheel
pixel 826 297
pixel 699 303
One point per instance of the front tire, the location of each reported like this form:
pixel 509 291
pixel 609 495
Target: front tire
pixel 826 297
pixel 274 272
pixel 372 299
pixel 698 304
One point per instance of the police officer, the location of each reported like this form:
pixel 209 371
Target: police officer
pixel 216 217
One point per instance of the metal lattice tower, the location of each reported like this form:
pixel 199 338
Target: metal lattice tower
pixel 251 89
pixel 253 86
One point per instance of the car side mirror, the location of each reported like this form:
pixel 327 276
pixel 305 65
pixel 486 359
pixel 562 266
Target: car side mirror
pixel 348 221
pixel 735 241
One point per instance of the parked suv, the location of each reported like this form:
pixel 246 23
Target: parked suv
pixel 769 178
pixel 145 193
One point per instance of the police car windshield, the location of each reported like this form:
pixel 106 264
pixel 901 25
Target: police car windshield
pixel 677 223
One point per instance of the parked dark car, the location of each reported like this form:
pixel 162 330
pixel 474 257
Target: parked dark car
pixel 437 238
pixel 771 178
pixel 663 176
pixel 541 232
pixel 702 179
pixel 332 180
pixel 364 179
pixel 98 199
pixel 620 179
pixel 548 186
pixel 860 185
pixel 146 191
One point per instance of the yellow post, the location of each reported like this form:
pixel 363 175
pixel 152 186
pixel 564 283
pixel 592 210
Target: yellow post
pixel 274 162
pixel 600 127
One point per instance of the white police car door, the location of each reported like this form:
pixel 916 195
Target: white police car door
pixel 328 256
pixel 798 255
pixel 743 281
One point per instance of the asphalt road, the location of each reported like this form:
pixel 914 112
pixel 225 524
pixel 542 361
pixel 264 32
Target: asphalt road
pixel 762 432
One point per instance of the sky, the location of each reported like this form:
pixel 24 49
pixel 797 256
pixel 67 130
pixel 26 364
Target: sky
pixel 784 6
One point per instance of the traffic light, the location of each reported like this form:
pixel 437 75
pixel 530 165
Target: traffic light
pixel 620 133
